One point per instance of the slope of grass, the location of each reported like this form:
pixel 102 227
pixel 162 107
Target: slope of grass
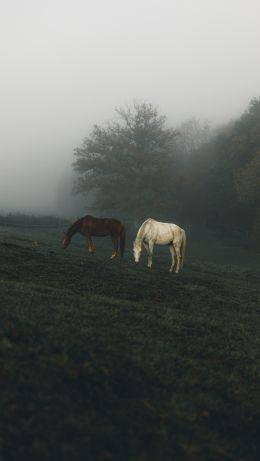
pixel 103 360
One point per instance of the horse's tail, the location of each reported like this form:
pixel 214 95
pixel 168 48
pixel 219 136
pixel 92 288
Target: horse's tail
pixel 183 247
pixel 122 241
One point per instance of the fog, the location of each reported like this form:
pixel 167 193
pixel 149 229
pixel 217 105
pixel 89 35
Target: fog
pixel 66 65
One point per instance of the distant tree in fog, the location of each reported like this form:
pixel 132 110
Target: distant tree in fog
pixel 248 181
pixel 129 163
pixel 193 134
pixel 248 189
pixel 224 180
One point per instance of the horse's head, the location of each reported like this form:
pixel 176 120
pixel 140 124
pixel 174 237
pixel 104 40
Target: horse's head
pixel 65 240
pixel 137 247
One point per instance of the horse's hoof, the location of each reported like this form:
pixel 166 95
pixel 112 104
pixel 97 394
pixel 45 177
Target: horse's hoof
pixel 113 256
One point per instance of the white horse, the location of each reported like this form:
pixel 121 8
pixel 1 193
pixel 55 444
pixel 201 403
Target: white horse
pixel 161 233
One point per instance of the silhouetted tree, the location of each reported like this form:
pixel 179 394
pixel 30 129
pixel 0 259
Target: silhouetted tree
pixel 129 163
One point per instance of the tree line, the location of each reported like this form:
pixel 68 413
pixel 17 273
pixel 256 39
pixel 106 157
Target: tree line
pixel 138 166
pixel 28 220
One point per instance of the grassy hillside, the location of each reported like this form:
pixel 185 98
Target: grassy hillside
pixel 102 360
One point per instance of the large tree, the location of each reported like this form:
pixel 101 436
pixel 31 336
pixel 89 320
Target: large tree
pixel 129 163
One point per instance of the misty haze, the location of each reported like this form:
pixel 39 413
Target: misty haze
pixel 66 65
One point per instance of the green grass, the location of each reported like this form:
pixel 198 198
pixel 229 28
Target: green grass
pixel 104 360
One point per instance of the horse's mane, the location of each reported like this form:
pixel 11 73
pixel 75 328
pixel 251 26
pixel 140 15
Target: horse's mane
pixel 74 225
pixel 141 230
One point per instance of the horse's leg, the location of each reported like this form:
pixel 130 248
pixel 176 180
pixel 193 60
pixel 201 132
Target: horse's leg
pixel 147 250
pixel 150 253
pixel 114 245
pixel 178 256
pixel 90 244
pixel 173 255
pixel 149 256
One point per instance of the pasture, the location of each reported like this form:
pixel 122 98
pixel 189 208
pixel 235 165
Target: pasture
pixel 103 360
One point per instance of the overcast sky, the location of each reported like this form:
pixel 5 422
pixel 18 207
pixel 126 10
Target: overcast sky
pixel 66 64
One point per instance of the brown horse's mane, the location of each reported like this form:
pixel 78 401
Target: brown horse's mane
pixel 74 226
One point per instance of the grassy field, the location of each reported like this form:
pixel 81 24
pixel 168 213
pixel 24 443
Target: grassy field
pixel 104 360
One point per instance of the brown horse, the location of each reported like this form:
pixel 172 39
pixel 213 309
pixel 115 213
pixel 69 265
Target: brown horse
pixel 89 226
